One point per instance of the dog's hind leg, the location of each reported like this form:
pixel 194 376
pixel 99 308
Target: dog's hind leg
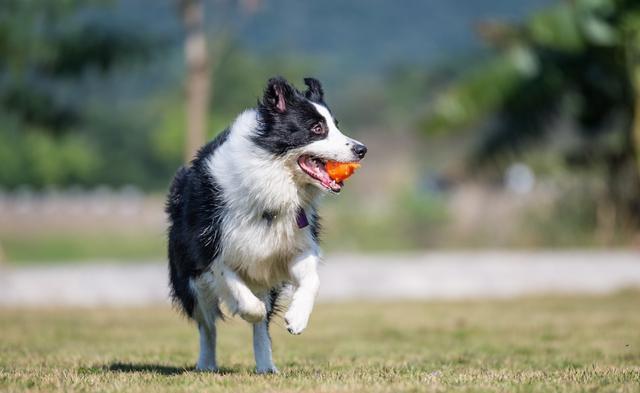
pixel 262 341
pixel 206 313
pixel 207 358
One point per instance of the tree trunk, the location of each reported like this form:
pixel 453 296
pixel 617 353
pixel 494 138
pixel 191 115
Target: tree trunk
pixel 198 75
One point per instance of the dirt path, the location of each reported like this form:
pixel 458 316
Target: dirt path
pixel 446 275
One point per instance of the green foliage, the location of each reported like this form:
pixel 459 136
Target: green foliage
pixel 52 161
pixel 239 79
pixel 556 28
pixel 577 62
pixel 558 48
pixel 44 45
pixel 38 159
pixel 475 95
pixel 51 136
pixel 168 139
pixel 631 32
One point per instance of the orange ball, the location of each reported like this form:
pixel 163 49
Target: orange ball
pixel 340 171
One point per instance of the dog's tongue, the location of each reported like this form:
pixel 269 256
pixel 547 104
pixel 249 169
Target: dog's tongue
pixel 320 173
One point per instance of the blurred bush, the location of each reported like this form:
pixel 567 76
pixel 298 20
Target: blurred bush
pixel 49 49
pixel 573 67
pixel 68 115
pixel 91 98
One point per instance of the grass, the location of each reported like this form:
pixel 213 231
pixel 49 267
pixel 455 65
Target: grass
pixel 50 248
pixel 550 344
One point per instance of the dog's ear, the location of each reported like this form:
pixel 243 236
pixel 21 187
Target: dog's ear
pixel 314 90
pixel 279 94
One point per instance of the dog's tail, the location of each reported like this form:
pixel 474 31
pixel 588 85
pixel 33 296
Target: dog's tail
pixel 181 293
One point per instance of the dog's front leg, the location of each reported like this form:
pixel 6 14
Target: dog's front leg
pixel 238 297
pixel 304 274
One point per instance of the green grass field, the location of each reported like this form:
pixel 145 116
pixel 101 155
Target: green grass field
pixel 549 344
pixel 82 247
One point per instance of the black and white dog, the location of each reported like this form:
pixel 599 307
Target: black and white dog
pixel 243 220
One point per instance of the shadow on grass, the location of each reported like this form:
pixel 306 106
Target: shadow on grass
pixel 154 369
pixel 146 368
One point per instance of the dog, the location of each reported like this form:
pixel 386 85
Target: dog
pixel 243 216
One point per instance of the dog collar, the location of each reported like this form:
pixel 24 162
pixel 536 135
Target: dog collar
pixel 301 219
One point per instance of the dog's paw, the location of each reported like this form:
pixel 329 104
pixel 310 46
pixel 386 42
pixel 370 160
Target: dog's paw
pixel 296 320
pixel 267 370
pixel 253 311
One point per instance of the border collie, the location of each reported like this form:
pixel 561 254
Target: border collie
pixel 243 218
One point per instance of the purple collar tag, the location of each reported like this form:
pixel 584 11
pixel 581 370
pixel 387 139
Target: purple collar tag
pixel 301 219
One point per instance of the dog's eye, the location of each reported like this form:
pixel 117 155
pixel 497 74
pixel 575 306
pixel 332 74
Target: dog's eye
pixel 317 128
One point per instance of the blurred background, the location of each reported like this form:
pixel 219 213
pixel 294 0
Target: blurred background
pixel 491 124
pixel 490 241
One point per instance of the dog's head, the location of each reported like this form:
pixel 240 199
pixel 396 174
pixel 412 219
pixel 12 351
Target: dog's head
pixel 299 128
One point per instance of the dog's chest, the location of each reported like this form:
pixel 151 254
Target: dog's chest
pixel 260 248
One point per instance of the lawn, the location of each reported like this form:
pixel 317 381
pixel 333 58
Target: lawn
pixel 548 344
pixel 86 247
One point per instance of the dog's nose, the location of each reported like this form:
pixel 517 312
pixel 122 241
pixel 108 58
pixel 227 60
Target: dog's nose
pixel 359 150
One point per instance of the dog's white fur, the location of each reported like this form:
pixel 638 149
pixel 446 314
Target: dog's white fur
pixel 256 257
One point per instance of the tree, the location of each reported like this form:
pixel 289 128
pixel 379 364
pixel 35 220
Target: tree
pixel 43 44
pixel 578 60
pixel 198 75
pixel 48 48
pixel 200 70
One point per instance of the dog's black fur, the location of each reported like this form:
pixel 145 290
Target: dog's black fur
pixel 281 132
pixel 194 205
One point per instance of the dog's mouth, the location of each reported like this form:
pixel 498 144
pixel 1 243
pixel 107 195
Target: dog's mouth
pixel 315 168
